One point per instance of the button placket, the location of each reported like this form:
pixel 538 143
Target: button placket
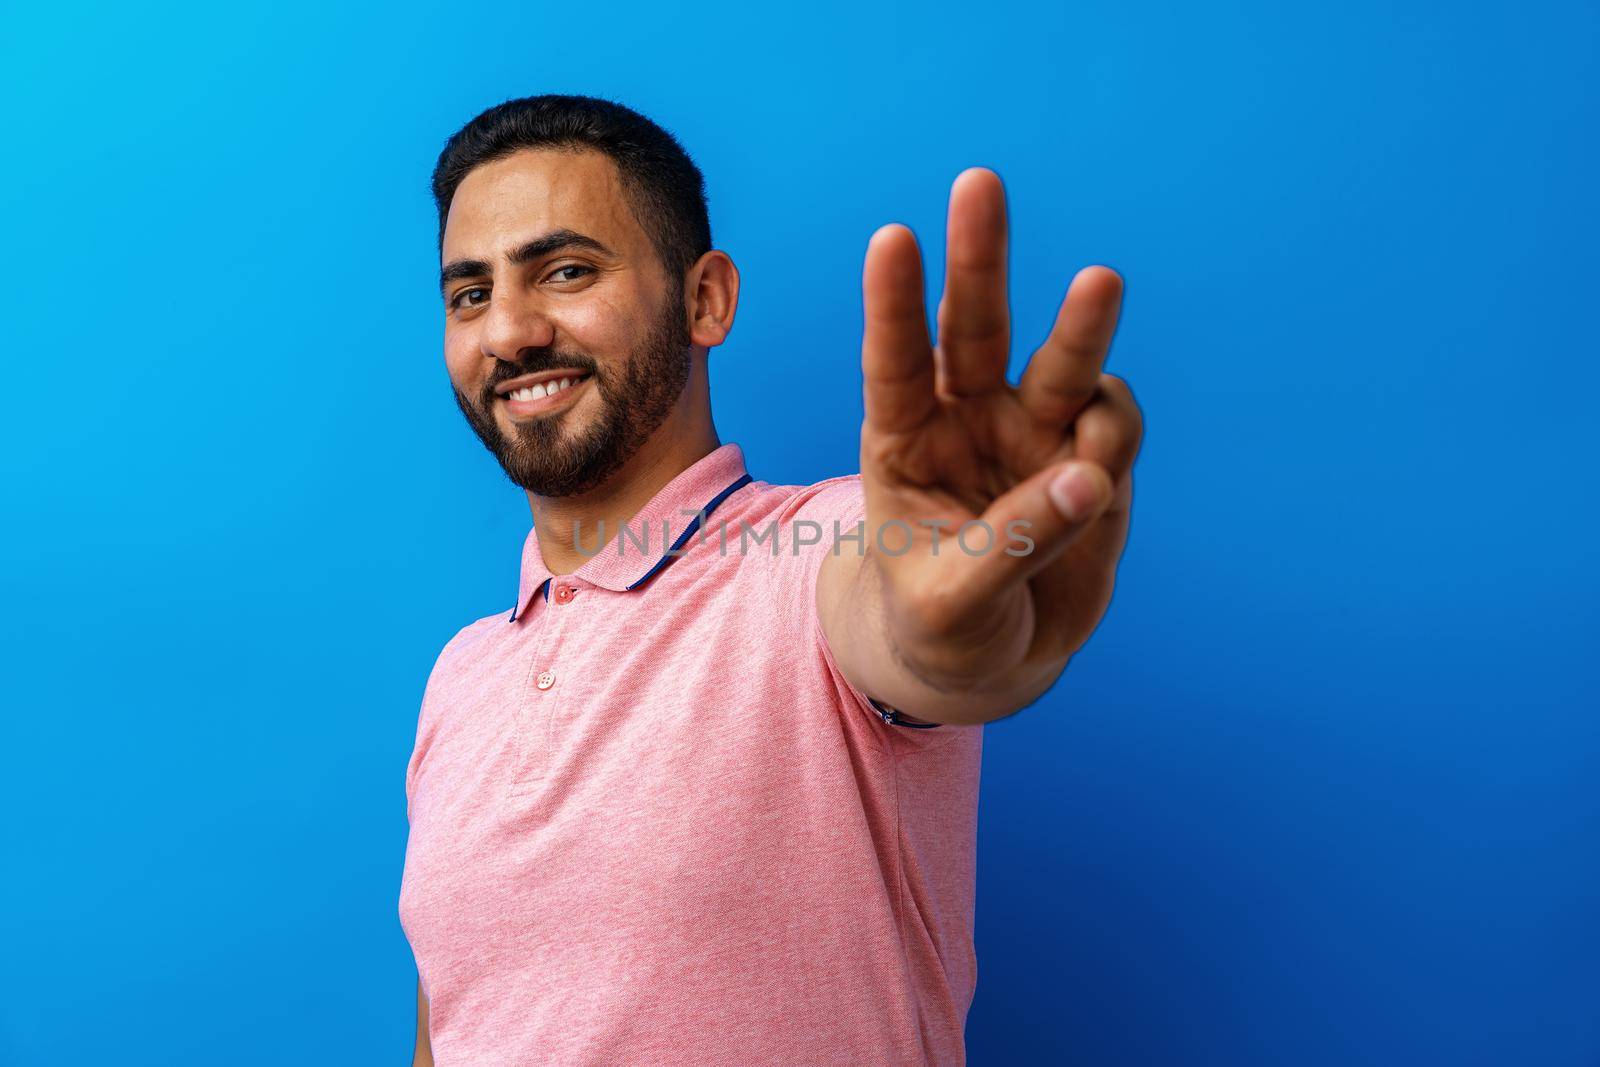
pixel 538 700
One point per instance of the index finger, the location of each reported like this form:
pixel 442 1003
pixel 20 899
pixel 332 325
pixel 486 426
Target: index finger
pixel 896 355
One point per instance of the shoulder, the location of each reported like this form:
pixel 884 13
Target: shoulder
pixel 830 499
pixel 455 663
pixel 764 502
pixel 782 533
pixel 470 642
pixel 452 675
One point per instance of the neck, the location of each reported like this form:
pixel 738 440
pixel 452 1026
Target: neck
pixel 678 443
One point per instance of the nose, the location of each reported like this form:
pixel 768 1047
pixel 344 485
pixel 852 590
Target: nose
pixel 513 323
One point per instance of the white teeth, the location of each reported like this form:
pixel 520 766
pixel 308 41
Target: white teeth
pixel 542 389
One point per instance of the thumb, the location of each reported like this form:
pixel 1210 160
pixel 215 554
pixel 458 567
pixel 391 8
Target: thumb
pixel 1050 509
pixel 1080 491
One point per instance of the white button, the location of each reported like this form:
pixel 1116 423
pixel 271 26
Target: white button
pixel 546 679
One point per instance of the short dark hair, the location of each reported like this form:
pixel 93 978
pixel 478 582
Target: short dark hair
pixel 667 189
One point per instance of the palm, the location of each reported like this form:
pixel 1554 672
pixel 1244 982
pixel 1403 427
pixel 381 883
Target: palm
pixel 948 441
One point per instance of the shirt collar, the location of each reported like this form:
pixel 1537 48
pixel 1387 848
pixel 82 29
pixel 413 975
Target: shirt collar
pixel 701 487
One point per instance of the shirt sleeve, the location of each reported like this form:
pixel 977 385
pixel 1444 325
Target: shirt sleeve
pixel 829 517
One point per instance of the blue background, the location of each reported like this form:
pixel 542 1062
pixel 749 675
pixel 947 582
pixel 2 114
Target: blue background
pixel 1321 790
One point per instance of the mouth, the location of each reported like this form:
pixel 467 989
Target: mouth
pixel 539 394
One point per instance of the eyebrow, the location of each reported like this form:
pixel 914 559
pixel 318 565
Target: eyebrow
pixel 523 253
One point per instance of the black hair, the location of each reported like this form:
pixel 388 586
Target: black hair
pixel 667 189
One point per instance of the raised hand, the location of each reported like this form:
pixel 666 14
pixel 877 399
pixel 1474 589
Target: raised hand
pixel 947 440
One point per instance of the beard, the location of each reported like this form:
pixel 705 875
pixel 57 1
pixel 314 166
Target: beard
pixel 546 460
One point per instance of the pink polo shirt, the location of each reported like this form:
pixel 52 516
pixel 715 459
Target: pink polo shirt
pixel 651 822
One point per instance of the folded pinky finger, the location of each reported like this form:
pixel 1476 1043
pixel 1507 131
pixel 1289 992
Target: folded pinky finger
pixel 1110 429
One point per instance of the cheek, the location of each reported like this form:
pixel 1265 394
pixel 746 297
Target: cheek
pixel 601 328
pixel 461 360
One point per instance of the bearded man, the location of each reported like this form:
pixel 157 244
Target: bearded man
pixel 706 791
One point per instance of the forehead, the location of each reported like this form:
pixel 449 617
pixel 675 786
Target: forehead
pixel 501 204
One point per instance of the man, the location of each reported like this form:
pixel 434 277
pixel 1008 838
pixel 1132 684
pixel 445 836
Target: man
pixel 706 792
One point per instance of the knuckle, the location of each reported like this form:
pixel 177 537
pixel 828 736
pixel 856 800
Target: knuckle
pixel 1119 391
pixel 1120 399
pixel 1108 439
pixel 1062 399
pixel 972 324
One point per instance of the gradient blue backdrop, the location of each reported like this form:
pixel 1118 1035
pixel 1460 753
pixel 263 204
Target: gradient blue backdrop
pixel 1321 790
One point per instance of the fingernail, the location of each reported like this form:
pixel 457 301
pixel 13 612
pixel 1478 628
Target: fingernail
pixel 1075 492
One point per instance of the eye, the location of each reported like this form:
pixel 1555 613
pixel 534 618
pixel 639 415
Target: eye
pixel 570 273
pixel 455 301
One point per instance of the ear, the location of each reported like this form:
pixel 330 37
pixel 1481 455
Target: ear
pixel 711 295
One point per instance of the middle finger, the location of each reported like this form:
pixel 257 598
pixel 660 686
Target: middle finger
pixel 974 320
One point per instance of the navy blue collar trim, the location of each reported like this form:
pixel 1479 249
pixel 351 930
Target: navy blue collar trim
pixel 683 538
pixel 671 553
pixel 544 588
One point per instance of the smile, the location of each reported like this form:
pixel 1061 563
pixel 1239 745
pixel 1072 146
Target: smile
pixel 540 397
